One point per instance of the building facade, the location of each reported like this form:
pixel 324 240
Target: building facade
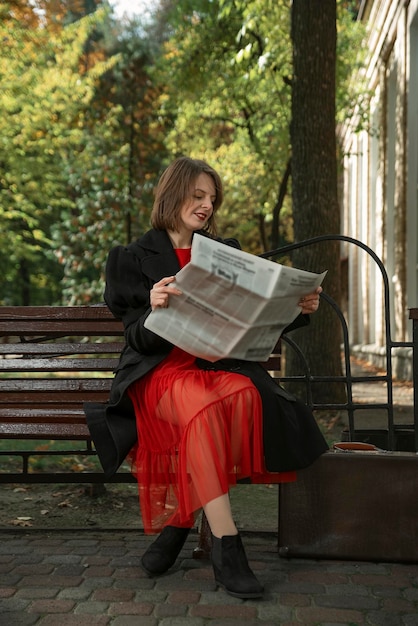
pixel 380 184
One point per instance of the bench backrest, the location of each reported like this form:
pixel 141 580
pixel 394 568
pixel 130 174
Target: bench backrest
pixel 52 359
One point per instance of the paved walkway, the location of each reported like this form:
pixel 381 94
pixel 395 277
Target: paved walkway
pixel 58 578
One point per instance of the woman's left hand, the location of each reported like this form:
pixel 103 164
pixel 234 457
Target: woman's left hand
pixel 310 303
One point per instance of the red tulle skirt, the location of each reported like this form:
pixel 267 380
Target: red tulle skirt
pixel 198 433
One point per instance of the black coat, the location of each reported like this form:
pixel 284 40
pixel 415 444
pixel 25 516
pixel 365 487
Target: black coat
pixel 291 436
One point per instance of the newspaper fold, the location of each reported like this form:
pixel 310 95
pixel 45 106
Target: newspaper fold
pixel 233 304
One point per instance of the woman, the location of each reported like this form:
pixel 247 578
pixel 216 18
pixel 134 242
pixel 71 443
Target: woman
pixel 199 426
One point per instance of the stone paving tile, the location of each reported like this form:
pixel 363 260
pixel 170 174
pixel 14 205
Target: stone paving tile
pixel 37 592
pixel 51 606
pixel 19 619
pixel 67 580
pixel 127 620
pixel 74 620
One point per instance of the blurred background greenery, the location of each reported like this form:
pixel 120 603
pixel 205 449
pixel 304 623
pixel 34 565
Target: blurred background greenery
pixel 95 105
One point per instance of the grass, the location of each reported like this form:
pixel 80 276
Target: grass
pixel 46 456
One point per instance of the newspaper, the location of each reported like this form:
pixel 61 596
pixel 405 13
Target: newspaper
pixel 233 304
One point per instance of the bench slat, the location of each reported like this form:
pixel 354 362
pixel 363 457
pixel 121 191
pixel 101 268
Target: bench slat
pixel 48 416
pixel 46 349
pixel 49 401
pixel 26 430
pixel 46 477
pixel 94 313
pixel 16 385
pixel 58 365
pixel 64 328
pixel 43 412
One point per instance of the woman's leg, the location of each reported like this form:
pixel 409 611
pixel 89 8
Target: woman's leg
pixel 215 444
pixel 229 561
pixel 219 515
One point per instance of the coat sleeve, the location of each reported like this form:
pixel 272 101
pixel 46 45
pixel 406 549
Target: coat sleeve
pixel 300 321
pixel 127 294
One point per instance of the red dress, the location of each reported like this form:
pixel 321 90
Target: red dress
pixel 198 433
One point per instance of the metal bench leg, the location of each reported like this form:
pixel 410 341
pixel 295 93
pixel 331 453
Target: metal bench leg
pixel 203 550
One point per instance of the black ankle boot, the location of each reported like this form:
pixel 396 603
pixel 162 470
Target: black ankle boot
pixel 231 568
pixel 163 552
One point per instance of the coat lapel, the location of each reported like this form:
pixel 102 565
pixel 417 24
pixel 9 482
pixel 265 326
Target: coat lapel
pixel 157 255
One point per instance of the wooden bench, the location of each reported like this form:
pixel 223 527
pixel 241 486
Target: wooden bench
pixel 52 360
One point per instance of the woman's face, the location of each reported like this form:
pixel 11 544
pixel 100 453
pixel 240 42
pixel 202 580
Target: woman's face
pixel 196 212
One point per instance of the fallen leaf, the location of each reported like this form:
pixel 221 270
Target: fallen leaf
pixel 44 512
pixel 65 503
pixel 20 522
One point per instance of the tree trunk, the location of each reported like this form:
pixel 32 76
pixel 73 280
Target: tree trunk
pixel 275 232
pixel 314 181
pixel 24 276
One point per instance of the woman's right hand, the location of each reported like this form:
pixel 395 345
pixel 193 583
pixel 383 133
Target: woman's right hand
pixel 161 291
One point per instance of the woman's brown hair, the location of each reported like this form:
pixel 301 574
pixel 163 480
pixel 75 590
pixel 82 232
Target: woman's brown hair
pixel 175 188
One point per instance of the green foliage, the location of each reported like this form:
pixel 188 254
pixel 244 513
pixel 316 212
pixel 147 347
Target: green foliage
pixel 352 96
pixel 229 70
pixel 42 98
pixel 113 176
pixel 231 102
pixel 93 110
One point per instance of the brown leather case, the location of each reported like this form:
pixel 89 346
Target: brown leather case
pixel 357 504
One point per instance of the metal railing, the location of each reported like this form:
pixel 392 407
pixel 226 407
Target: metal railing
pixel 348 379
